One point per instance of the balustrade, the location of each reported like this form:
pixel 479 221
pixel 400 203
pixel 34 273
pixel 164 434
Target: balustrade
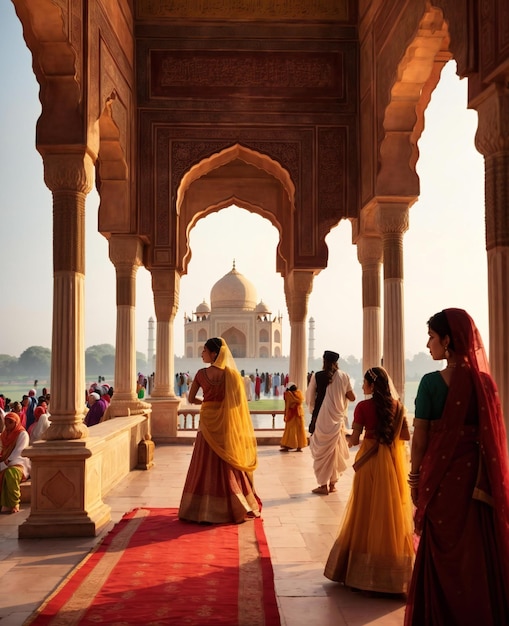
pixel 188 419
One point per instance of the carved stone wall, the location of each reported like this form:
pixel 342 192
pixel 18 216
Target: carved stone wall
pixel 286 92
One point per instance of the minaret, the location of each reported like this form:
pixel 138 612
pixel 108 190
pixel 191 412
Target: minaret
pixel 150 350
pixel 311 346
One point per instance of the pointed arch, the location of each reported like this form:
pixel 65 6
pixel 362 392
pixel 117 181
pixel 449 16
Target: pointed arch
pixel 242 153
pixel 244 178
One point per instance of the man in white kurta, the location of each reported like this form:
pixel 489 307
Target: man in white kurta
pixel 328 443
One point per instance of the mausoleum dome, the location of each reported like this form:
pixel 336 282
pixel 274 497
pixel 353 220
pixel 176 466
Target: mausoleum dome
pixel 233 291
pixel 203 308
pixel 262 307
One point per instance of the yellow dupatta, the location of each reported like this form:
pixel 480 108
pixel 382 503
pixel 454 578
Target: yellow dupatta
pixel 227 425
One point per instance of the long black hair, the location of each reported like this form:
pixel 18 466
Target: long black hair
pixel 384 402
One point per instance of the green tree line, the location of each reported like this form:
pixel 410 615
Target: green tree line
pixel 35 362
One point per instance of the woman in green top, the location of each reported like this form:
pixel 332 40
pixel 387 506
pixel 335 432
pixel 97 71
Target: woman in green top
pixel 459 481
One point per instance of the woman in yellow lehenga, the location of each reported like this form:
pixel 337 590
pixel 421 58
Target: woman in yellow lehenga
pixel 374 549
pixel 219 484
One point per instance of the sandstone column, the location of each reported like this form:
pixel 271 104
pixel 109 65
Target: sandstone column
pixel 370 255
pixel 126 254
pixel 298 285
pixel 66 495
pixel 166 288
pixel 492 141
pixel 393 223
pixel 69 176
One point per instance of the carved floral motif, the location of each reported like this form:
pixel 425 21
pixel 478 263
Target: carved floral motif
pixel 212 74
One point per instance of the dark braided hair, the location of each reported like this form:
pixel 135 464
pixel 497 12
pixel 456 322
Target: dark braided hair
pixel 384 403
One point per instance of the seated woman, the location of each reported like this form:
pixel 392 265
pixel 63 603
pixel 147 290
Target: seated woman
pixel 40 425
pixel 219 484
pixel 14 468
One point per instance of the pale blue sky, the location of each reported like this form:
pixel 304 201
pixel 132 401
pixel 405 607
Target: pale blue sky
pixel 445 258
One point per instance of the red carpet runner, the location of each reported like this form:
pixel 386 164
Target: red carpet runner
pixel 155 570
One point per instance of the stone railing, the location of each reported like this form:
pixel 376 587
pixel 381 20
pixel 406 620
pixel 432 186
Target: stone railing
pixel 189 417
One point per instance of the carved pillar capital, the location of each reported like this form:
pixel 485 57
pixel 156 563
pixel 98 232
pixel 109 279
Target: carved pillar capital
pixel 298 285
pixel 392 220
pixel 492 140
pixel 68 170
pixel 370 251
pixel 166 290
pixel 392 217
pixel 125 250
pixel 492 134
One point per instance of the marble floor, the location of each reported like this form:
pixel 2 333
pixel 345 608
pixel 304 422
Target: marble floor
pixel 300 528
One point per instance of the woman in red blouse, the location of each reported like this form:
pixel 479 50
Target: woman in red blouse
pixel 374 549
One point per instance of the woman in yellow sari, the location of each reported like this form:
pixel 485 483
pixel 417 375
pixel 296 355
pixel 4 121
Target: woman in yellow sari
pixel 219 484
pixel 374 549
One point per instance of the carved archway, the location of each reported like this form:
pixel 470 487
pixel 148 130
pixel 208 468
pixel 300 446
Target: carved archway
pixel 244 178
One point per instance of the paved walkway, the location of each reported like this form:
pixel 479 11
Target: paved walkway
pixel 300 528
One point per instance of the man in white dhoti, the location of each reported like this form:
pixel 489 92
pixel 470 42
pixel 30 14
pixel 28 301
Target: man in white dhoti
pixel 327 397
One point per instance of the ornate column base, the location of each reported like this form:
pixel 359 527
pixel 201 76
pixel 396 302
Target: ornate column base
pixel 70 478
pixel 66 499
pixel 164 418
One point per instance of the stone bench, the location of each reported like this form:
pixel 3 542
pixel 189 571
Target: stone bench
pixel 144 459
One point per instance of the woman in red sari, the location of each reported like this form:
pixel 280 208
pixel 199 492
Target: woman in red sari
pixel 460 485
pixel 219 484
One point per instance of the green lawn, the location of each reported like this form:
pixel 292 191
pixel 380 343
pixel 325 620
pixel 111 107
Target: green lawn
pixel 15 390
pixel 269 404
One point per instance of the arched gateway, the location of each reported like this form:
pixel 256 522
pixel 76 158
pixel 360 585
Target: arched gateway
pixel 306 112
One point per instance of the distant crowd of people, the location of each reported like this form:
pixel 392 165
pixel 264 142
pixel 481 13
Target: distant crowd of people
pixel 257 385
